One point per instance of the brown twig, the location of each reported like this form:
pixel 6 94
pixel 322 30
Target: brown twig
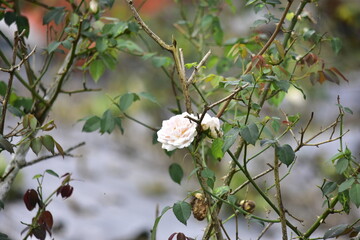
pixel 254 178
pixel 156 38
pixel 14 67
pixel 229 97
pixel 40 159
pixel 262 51
pixel 224 230
pixel 264 230
pixel 197 68
pixel 306 143
pixel 81 90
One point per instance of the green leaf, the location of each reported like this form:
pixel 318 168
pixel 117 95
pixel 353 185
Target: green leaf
pixel 348 110
pixel 1 205
pixel 354 194
pixel 15 111
pixel 118 123
pixel 149 97
pixel 191 65
pixel 126 100
pixel 101 44
pixel 328 188
pixel 176 173
pixel 277 99
pixel 336 231
pixel 341 165
pixel 346 184
pixel 91 124
pixel 108 60
pixel 67 43
pixel 230 138
pixel 273 2
pixel 22 23
pixel 345 201
pixel 207 173
pixel 336 44
pixel 53 46
pixel 161 61
pixel 97 69
pixel 284 85
pixel 119 28
pixel 182 211
pixel 336 157
pixel 218 32
pixel 219 191
pixel 285 153
pixel 10 18
pixel 107 123
pixel 249 2
pixel 51 172
pixel 48 142
pixel 309 34
pixel 206 22
pixel 56 14
pixel 5 144
pixel 232 199
pixel 4 236
pixel 216 148
pixel 250 133
pixel 36 145
pixel 129 46
pixel 275 124
pixel 37 176
pixel 231 5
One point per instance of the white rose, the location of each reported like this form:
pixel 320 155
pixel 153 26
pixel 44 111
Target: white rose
pixel 212 124
pixel 177 132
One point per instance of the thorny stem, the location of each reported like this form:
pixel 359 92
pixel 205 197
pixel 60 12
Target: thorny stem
pixel 321 218
pixel 141 123
pixel 263 195
pixel 279 197
pixel 66 153
pixel 254 178
pixel 215 222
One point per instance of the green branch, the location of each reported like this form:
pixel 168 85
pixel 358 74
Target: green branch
pixel 263 195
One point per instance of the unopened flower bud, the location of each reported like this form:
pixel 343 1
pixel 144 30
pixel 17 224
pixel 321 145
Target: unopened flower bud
pixel 247 205
pixel 94 6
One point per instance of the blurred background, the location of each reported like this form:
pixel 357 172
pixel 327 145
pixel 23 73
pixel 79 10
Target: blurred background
pixel 122 181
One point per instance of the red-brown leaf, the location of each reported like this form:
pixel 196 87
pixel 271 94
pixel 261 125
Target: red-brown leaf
pixel 322 77
pixel 66 191
pixel 46 219
pixel 335 70
pixel 181 236
pixel 332 77
pixel 172 236
pixel 31 198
